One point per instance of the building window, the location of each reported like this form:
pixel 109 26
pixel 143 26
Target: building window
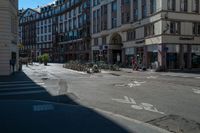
pixel 175 27
pixel 135 10
pixel 61 27
pixel 125 10
pixel 184 5
pixel 104 40
pixel 41 30
pixel 96 41
pixel 104 19
pixel 94 3
pixel 149 30
pixel 152 6
pixel 49 37
pixel 45 29
pixel 131 35
pixel 171 5
pixel 114 6
pixel 98 20
pixel 49 27
pixel 196 28
pixel 45 38
pixel 144 9
pixel 74 23
pixel 94 21
pixel 114 14
pixel 195 6
pixel 65 26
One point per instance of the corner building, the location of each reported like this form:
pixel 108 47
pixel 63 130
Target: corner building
pixel 162 33
pixel 8 35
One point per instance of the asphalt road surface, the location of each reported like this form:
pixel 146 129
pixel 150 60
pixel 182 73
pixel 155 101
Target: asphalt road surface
pixel 167 100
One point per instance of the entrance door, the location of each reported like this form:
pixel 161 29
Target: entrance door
pixel 117 54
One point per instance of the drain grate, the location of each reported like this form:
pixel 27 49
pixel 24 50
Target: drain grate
pixel 176 124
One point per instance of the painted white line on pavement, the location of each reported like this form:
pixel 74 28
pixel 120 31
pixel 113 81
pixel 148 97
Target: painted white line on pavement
pixel 152 77
pixel 198 77
pixel 16 82
pixel 134 105
pixel 130 119
pixel 45 107
pixel 197 91
pixel 22 92
pixel 26 84
pixel 20 88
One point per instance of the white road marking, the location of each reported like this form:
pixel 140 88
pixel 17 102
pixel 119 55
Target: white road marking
pixel 19 88
pixel 125 100
pixel 22 92
pixel 135 84
pixel 131 119
pixel 15 82
pixel 26 84
pixel 152 77
pixel 198 77
pixel 120 85
pixel 45 107
pixel 134 105
pixel 197 91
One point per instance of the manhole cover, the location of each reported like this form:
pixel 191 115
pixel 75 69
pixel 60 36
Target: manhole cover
pixel 176 124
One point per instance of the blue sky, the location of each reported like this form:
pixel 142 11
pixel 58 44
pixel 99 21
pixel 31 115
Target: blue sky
pixel 33 3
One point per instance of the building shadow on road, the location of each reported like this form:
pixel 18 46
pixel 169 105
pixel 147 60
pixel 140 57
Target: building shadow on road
pixel 43 113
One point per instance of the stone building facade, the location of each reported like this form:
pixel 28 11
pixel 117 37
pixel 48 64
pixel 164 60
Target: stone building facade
pixel 8 35
pixel 158 33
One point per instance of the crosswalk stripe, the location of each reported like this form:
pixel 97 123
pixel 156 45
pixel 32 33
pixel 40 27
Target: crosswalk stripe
pixel 20 88
pixel 22 92
pixel 26 84
pixel 17 82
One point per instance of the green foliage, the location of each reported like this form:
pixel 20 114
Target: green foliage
pixel 40 60
pixel 45 58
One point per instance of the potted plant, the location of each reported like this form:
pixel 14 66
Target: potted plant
pixel 45 59
pixel 40 59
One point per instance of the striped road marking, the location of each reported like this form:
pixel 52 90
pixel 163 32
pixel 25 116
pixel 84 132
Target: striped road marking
pixel 16 82
pixel 26 84
pixel 20 88
pixel 22 92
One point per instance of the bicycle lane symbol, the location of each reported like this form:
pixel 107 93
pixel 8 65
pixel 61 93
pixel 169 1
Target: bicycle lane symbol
pixel 141 106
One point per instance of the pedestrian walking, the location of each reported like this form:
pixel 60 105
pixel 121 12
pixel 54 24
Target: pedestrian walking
pixel 134 64
pixel 12 64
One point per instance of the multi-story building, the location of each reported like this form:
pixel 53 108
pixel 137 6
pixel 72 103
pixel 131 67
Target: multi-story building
pixel 27 32
pixel 163 32
pixel 71 30
pixel 8 35
pixel 61 29
pixel 44 43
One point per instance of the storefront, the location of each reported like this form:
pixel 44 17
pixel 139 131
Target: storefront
pixel 129 54
pixel 195 56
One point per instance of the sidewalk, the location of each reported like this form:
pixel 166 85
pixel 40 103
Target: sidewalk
pixel 195 73
pixel 47 117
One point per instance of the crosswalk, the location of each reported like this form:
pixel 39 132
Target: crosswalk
pixel 21 88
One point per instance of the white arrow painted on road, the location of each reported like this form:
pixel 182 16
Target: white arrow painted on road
pixel 197 91
pixel 142 106
pixel 152 77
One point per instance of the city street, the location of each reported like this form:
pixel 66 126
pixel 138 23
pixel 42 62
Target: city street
pixel 167 100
